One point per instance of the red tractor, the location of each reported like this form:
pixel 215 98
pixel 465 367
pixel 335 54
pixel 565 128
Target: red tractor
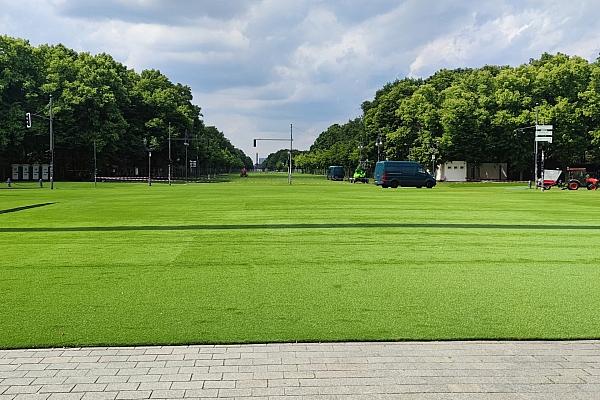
pixel 578 177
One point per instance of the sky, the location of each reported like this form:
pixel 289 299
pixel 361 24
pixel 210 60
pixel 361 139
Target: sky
pixel 257 66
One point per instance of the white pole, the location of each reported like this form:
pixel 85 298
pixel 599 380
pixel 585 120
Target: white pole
pixel 95 165
pixel 535 166
pixel 169 154
pixel 51 148
pixel 542 170
pixel 290 161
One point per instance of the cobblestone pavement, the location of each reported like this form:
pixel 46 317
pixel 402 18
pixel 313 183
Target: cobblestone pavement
pixel 426 370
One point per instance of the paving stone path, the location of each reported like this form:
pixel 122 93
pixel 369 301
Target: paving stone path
pixel 430 370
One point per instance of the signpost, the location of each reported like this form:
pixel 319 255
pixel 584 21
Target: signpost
pixel 543 133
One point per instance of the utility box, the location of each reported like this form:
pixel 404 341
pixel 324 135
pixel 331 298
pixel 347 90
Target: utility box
pixel 15 172
pixel 35 174
pixel 26 175
pixel 45 169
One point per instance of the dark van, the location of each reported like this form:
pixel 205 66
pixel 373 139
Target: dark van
pixel 335 173
pixel 402 173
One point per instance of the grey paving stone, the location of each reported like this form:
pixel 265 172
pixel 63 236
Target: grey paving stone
pixel 12 374
pixel 176 377
pixel 17 381
pixel 201 393
pixel 100 396
pixel 65 396
pixel 50 381
pixel 167 394
pixel 80 379
pixel 112 379
pixel 89 387
pixel 32 396
pixel 180 363
pixel 141 358
pixel 134 395
pixel 143 378
pixel 56 388
pixel 133 371
pixel 155 386
pixel 71 372
pixel 41 374
pixel 252 383
pixel 12 390
pixel 62 366
pixel 207 377
pixel 151 364
pixel 235 392
pixel 234 376
pixel 118 387
pixel 219 385
pixel 191 385
pixel 262 392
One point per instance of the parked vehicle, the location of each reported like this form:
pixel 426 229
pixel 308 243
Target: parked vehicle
pixel 551 178
pixel 360 175
pixel 402 173
pixel 335 173
pixel 578 177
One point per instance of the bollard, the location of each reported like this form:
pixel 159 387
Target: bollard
pixel 41 183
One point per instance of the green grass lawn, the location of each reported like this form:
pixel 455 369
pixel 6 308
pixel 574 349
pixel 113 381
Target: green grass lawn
pixel 257 260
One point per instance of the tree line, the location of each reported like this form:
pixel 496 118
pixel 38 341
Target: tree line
pixel 474 115
pixel 99 101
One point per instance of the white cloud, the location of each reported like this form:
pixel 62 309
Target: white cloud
pixel 257 65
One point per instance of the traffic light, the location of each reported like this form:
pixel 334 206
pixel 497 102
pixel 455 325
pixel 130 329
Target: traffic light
pixel 28 120
pixel 254 142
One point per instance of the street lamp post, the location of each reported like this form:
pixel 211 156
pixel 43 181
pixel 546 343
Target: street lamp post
pixel 51 119
pixel 379 143
pixel 535 149
pixel 51 147
pixel 169 154
pixel 147 146
pixel 95 165
pixel 186 159
pixel 290 166
pixel 149 167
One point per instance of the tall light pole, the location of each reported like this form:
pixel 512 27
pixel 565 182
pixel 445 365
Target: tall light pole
pixel 51 148
pixel 147 146
pixel 290 162
pixel 186 144
pixel 379 143
pixel 169 154
pixel 95 165
pixel 535 149
pixel 51 118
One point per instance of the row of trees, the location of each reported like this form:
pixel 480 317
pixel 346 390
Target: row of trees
pixel 473 115
pixel 98 100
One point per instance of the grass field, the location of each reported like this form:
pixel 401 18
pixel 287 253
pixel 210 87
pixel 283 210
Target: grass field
pixel 257 260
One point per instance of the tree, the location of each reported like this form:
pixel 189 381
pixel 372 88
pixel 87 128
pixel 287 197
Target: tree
pixel 98 101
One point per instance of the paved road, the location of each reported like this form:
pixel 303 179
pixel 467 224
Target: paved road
pixel 434 370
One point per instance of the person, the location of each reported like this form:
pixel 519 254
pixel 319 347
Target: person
pixel 244 172
pixel 9 182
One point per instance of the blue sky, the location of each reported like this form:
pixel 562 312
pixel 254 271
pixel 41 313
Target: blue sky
pixel 255 66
